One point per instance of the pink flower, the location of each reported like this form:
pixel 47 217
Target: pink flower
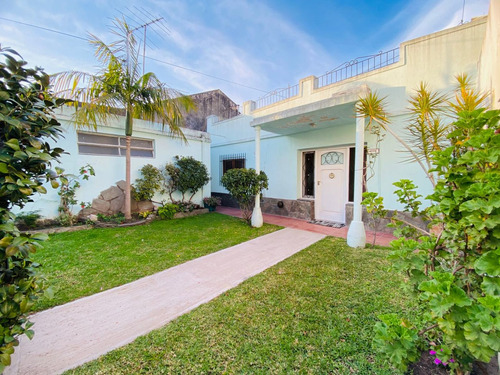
pixel 437 361
pixel 452 360
pixel 432 352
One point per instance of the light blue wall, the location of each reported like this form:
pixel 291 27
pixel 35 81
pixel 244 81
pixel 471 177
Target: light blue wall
pixel 111 169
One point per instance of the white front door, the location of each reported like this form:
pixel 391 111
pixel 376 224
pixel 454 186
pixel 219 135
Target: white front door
pixel 331 184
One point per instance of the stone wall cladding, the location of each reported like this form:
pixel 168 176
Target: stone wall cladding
pixel 298 209
pixel 112 200
pixel 382 226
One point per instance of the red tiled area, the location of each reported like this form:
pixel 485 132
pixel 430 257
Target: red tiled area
pixel 382 239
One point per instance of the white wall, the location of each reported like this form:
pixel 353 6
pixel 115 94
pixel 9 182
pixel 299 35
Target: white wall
pixel 111 169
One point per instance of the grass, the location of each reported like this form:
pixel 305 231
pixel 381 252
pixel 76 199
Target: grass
pixel 310 314
pixel 82 263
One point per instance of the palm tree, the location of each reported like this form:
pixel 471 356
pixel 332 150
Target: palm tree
pixel 121 85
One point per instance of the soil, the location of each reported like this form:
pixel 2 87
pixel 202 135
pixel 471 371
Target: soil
pixel 426 366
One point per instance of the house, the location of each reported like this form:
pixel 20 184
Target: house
pixel 210 103
pixel 310 144
pixel 104 149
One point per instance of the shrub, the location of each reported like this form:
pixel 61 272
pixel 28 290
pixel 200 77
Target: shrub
pixel 193 175
pixel 453 269
pixel 27 220
pixel 244 184
pixel 68 185
pixel 27 121
pixel 167 211
pixel 151 182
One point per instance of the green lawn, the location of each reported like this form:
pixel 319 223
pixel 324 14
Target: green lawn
pixel 82 263
pixel 310 314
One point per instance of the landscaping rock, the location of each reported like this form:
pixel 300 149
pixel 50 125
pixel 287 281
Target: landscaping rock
pixel 122 185
pixel 145 206
pixel 117 203
pixel 100 205
pixel 111 193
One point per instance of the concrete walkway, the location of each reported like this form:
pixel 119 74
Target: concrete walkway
pixel 70 335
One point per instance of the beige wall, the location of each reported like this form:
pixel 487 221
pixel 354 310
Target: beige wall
pixel 489 64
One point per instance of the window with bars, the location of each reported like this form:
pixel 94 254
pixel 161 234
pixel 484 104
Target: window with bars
pixel 113 145
pixel 233 161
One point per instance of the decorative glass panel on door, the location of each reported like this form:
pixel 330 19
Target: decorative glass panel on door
pixel 332 158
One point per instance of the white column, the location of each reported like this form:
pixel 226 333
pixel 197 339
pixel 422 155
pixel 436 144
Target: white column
pixel 257 220
pixel 356 236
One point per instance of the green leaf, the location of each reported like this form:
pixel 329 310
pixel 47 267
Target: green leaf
pixel 491 285
pixel 30 333
pixel 40 236
pixel 489 263
pixel 13 144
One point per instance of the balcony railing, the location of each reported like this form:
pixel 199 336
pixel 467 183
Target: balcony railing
pixel 357 66
pixel 344 71
pixel 277 96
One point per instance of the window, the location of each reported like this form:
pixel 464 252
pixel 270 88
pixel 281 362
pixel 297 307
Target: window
pixel 352 155
pixel 308 174
pixel 113 145
pixel 234 161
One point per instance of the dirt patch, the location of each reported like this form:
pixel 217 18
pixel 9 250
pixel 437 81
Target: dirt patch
pixel 426 366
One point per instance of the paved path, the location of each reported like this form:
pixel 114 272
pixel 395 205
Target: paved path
pixel 72 334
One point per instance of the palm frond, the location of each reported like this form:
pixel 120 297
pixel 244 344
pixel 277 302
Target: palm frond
pixel 373 108
pixel 466 97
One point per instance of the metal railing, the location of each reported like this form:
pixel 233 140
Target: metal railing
pixel 357 66
pixel 277 96
pixel 344 71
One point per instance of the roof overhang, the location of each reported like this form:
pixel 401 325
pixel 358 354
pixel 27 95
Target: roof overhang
pixel 337 110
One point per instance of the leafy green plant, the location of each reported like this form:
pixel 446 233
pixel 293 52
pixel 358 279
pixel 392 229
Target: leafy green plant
pixel 69 184
pixel 27 219
pixel 454 269
pixel 375 207
pixel 151 182
pixel 244 184
pixel 167 211
pixel 27 122
pixel 117 218
pixel 186 175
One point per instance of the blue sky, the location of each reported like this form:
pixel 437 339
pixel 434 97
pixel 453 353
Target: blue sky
pixel 257 45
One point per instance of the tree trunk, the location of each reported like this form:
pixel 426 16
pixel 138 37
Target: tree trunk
pixel 127 212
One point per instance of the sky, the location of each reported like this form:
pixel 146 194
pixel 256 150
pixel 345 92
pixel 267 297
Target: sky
pixel 246 48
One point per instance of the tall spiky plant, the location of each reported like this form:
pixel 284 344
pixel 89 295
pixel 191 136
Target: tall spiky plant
pixel 121 85
pixel 426 131
pixel 372 107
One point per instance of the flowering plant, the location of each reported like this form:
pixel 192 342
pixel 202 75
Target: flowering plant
pixel 212 201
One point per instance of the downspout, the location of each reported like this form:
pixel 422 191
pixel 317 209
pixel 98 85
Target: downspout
pixel 257 220
pixel 356 236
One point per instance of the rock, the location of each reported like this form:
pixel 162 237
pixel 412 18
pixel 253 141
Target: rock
pixel 145 206
pixel 111 193
pixel 100 205
pixel 116 205
pixel 122 185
